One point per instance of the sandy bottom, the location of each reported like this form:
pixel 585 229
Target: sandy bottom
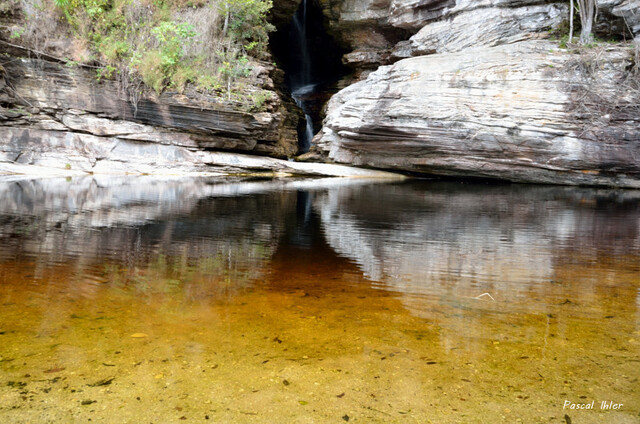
pixel 135 346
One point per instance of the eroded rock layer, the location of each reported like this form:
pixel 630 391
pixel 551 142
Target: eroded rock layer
pixel 523 112
pixel 53 97
pixel 478 89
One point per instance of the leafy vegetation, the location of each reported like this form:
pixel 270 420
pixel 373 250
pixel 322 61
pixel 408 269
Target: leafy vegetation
pixel 210 45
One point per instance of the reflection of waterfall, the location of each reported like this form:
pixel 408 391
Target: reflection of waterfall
pixel 301 84
pixel 302 230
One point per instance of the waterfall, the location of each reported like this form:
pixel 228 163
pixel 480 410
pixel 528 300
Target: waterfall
pixel 308 134
pixel 301 83
pixel 300 34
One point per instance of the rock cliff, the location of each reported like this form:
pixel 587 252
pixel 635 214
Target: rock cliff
pixel 446 87
pixel 478 90
pixel 66 122
pixel 520 112
pixel 59 98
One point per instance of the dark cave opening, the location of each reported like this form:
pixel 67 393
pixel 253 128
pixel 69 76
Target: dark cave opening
pixel 312 62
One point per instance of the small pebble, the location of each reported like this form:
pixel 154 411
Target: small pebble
pixel 139 335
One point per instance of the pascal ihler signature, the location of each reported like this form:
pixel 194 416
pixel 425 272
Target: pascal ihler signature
pixel 605 404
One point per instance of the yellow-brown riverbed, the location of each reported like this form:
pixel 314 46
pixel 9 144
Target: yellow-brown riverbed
pixel 263 302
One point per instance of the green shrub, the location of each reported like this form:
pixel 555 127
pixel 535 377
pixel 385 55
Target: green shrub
pixel 152 40
pixel 172 37
pixel 209 83
pixel 259 100
pixel 106 72
pixel 247 20
pixel 181 76
pixel 113 49
pixel 151 70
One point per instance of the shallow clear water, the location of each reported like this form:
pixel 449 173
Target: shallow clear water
pixel 144 300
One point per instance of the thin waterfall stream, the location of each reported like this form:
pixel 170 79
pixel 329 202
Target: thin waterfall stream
pixel 312 61
pixel 301 84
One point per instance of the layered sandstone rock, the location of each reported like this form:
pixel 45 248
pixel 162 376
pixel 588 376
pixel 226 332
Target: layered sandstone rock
pixel 627 12
pixel 376 31
pixel 72 99
pixel 484 27
pixel 524 112
pixel 477 92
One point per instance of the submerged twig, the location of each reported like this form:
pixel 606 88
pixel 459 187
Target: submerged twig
pixel 484 294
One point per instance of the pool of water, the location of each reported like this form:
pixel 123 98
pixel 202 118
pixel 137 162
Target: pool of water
pixel 142 300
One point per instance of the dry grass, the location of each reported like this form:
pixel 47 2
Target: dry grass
pixel 40 24
pixel 605 88
pixel 208 22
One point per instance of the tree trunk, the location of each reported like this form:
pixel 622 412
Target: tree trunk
pixel 571 8
pixel 587 15
pixel 225 28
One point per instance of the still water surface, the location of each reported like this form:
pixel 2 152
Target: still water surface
pixel 142 300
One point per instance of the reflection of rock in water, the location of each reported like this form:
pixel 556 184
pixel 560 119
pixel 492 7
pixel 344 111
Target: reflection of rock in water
pixel 433 238
pixel 443 238
pixel 138 220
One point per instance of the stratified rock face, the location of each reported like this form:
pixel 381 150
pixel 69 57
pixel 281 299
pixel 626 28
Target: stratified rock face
pixel 484 27
pixel 413 15
pixel 46 152
pixel 376 31
pixel 477 92
pixel 66 99
pixel 523 112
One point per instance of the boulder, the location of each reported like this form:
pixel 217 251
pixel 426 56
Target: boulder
pixel 524 112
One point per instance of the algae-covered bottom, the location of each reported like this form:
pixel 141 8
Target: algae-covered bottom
pixel 138 300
